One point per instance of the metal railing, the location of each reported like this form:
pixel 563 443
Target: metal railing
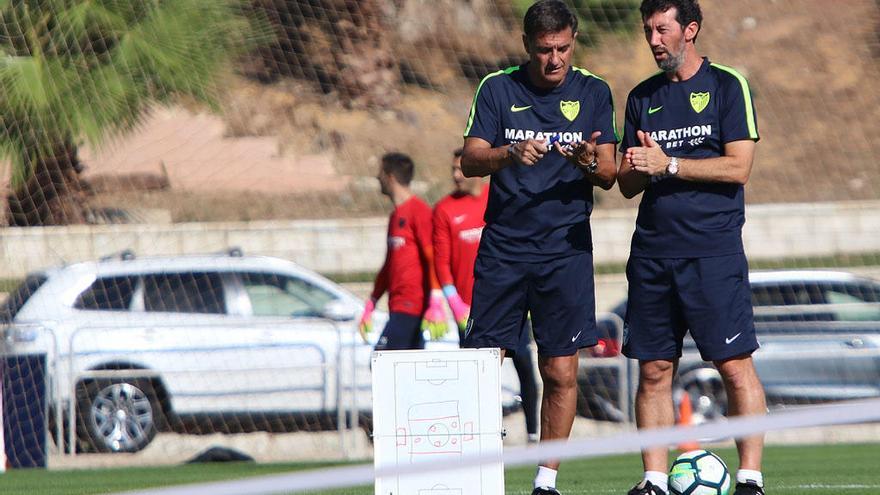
pixel 271 365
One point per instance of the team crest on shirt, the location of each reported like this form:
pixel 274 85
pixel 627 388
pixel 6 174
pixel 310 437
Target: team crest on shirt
pixel 699 101
pixel 570 109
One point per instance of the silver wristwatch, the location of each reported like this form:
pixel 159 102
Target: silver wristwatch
pixel 672 167
pixel 591 167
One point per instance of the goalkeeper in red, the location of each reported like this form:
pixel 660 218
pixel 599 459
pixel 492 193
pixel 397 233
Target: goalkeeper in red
pixel 415 302
pixel 458 225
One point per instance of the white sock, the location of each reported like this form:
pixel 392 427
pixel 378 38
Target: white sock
pixel 745 475
pixel 545 477
pixel 658 479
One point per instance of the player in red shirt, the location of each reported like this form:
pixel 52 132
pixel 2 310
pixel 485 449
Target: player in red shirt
pixel 408 272
pixel 458 225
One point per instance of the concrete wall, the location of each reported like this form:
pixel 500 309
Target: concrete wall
pixel 358 245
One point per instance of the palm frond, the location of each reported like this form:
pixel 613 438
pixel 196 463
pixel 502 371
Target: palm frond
pixel 91 69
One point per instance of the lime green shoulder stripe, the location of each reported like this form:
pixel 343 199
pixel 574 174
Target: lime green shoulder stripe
pixel 747 96
pixel 585 72
pixel 470 122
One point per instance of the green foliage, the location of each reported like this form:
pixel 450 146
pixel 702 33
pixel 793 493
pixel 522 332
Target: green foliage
pixel 75 70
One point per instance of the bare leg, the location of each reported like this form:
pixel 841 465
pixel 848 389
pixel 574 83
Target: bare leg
pixel 654 407
pixel 560 399
pixel 745 397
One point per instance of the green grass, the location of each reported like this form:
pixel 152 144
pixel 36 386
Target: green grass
pixel 808 470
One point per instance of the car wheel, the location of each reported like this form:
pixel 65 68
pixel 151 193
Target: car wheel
pixel 705 388
pixel 117 415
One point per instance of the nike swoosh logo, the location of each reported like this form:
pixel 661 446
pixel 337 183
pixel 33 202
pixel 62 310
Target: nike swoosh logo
pixel 458 219
pixel 514 108
pixel 654 110
pixel 731 339
pixel 576 336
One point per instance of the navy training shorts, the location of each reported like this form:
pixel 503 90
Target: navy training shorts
pixel 708 296
pixel 525 338
pixel 558 293
pixel 402 332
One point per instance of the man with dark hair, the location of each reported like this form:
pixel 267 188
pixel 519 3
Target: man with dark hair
pixel 408 272
pixel 689 142
pixel 458 226
pixel 545 132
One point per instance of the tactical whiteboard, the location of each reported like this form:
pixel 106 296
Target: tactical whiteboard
pixel 437 406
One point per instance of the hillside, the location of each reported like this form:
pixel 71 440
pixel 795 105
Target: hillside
pixel 287 149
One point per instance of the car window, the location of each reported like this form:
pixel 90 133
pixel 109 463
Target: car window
pixel 785 294
pixel 851 300
pixel 191 292
pixel 108 294
pixel 280 295
pixel 770 302
pixel 16 300
pixel 818 294
pixel 859 292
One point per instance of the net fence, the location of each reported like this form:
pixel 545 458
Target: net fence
pixel 159 130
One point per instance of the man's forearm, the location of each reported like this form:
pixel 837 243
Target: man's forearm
pixel 480 162
pixel 718 169
pixel 630 181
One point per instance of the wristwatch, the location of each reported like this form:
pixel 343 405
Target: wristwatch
pixel 672 167
pixel 592 167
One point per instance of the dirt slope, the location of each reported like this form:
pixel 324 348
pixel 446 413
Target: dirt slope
pixel 289 151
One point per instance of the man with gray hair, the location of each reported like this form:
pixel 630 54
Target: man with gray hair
pixel 544 131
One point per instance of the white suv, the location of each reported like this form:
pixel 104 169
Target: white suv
pixel 195 344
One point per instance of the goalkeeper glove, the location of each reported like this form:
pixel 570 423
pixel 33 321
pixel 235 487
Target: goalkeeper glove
pixel 434 319
pixel 460 309
pixel 366 324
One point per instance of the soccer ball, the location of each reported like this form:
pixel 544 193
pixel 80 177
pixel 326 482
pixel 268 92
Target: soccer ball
pixel 698 472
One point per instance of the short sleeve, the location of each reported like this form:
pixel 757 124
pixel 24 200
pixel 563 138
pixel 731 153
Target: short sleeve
pixel 483 118
pixel 737 112
pixel 630 124
pixel 605 116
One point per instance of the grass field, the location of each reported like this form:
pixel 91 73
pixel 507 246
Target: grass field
pixel 810 470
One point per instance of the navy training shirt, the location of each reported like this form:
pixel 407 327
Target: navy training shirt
pixel 690 119
pixel 539 212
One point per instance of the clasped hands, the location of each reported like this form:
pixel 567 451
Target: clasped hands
pixel 582 154
pixel 648 158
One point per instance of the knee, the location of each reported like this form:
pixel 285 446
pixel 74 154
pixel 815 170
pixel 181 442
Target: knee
pixel 558 374
pixel 656 375
pixel 738 373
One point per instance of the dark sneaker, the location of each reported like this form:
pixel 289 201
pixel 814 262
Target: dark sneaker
pixel 545 490
pixel 748 488
pixel 646 488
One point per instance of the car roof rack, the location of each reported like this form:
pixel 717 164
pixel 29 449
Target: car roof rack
pixel 124 255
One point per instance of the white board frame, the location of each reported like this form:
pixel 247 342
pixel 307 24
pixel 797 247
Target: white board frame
pixel 438 406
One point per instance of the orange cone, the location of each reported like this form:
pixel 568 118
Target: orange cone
pixel 685 418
